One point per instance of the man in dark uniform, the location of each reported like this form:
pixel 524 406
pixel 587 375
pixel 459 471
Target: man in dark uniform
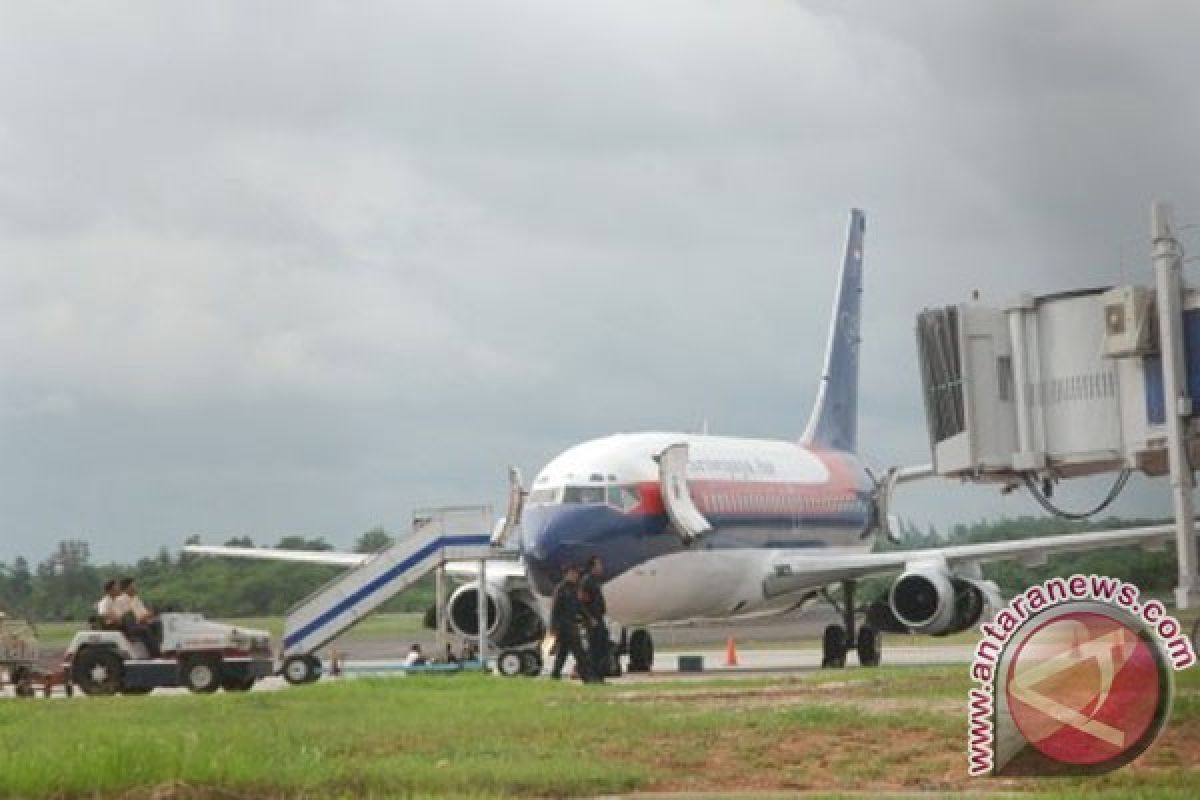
pixel 564 621
pixel 591 595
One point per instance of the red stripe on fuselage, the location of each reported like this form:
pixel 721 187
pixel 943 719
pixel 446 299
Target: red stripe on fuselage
pixel 766 497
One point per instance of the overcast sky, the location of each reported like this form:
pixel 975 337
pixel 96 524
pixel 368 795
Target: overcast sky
pixel 274 268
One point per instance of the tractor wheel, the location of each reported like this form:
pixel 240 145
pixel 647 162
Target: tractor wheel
pixel 202 674
pixel 301 669
pixel 97 671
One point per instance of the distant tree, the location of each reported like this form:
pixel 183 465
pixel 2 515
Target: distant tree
pixel 240 541
pixel 21 580
pixel 186 560
pixel 72 555
pixel 373 541
pixel 300 543
pixel 66 583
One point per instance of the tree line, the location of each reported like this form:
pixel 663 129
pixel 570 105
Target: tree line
pixel 66 584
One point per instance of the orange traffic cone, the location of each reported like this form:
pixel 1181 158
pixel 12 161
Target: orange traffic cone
pixel 730 653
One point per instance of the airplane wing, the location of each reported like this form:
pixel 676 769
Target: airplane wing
pixel 496 570
pixel 499 570
pixel 791 570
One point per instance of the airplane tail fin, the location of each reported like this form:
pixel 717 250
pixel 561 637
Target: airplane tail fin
pixel 834 420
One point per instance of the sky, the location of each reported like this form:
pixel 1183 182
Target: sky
pixel 274 268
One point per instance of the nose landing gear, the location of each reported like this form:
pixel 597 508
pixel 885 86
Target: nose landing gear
pixel 640 648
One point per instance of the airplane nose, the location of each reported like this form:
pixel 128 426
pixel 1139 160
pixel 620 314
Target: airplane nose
pixel 534 534
pixel 541 544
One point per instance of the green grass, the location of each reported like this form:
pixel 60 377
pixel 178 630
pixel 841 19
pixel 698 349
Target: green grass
pixel 897 729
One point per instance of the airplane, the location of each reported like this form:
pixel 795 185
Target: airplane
pixel 696 527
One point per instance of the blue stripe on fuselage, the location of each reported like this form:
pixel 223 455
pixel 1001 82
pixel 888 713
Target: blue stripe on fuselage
pixel 557 535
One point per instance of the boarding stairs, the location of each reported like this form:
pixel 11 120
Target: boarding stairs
pixel 437 537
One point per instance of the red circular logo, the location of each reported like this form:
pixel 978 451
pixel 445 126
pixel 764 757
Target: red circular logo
pixel 1086 687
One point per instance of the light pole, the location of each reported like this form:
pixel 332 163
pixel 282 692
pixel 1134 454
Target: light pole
pixel 1168 276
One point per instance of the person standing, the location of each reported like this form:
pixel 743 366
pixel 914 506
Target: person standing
pixel 564 620
pixel 591 597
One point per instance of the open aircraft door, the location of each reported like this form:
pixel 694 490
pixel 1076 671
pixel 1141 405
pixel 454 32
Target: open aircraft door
pixel 516 505
pixel 682 511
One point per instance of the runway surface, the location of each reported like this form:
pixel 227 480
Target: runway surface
pixel 753 662
pixel 781 644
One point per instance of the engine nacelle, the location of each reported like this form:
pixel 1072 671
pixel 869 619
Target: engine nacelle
pixel 512 617
pixel 929 599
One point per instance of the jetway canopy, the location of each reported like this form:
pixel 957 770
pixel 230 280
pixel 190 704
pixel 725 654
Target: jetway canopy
pixel 1058 386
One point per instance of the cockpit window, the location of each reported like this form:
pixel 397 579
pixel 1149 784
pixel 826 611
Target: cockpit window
pixel 622 497
pixel 543 496
pixel 584 495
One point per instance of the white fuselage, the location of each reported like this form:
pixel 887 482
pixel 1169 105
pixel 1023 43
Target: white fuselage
pixel 603 498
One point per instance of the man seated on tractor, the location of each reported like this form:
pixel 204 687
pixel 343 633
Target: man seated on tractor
pixel 107 617
pixel 139 623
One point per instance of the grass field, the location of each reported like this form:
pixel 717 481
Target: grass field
pixel 880 732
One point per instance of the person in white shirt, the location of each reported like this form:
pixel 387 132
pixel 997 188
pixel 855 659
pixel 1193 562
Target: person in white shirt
pixel 139 623
pixel 106 607
pixel 415 657
pixel 122 603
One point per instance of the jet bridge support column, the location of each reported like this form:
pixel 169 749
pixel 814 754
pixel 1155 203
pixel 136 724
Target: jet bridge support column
pixel 483 615
pixel 1168 274
pixel 439 610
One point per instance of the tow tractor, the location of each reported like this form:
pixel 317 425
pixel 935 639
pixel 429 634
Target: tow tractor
pixel 197 653
pixel 19 659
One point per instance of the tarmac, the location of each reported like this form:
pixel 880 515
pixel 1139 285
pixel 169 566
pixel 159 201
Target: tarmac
pixel 758 661
pixel 751 662
pixel 785 644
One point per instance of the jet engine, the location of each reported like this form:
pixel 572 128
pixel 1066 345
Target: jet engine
pixel 929 599
pixel 512 617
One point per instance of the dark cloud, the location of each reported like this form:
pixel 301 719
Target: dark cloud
pixel 280 267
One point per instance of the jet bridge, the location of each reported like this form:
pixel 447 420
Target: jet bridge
pixel 1082 382
pixel 438 536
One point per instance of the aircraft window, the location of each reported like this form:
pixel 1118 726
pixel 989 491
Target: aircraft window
pixel 543 496
pixel 623 497
pixel 585 495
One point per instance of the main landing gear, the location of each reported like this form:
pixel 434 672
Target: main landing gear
pixel 838 639
pixel 640 648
